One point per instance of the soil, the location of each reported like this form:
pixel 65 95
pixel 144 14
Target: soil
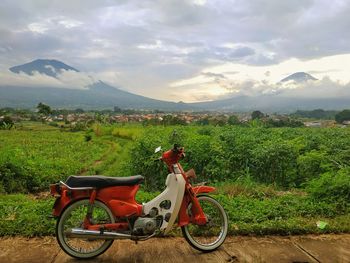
pixel 296 249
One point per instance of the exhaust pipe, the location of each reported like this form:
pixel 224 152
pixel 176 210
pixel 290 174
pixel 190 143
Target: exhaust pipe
pixel 93 234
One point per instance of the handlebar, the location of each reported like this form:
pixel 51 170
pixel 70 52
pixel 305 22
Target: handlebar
pixel 158 159
pixel 177 149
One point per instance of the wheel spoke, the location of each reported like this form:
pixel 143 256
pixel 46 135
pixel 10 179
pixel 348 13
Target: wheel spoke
pixel 74 217
pixel 213 233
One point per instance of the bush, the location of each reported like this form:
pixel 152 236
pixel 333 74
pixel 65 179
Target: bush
pixel 332 186
pixel 342 116
pixel 287 157
pixel 6 123
pixel 129 133
pixel 13 178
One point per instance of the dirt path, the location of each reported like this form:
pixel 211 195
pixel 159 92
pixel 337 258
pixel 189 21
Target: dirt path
pixel 100 160
pixel 324 248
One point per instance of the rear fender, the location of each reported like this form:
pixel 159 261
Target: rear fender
pixel 65 199
pixel 60 203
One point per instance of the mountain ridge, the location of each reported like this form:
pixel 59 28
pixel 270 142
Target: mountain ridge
pixel 50 67
pixel 298 77
pixel 100 95
pixel 97 95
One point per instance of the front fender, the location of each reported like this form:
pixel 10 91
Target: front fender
pixel 203 189
pixel 183 218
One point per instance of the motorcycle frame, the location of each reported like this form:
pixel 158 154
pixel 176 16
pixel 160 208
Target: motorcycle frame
pixel 121 201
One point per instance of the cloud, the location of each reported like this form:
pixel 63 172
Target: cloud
pixel 152 44
pixel 215 75
pixel 66 79
pixel 223 89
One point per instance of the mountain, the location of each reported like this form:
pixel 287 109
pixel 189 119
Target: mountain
pixel 50 67
pixel 99 95
pixel 299 77
pixel 273 103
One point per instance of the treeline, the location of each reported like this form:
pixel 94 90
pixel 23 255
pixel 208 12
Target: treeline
pixel 48 110
pixel 320 114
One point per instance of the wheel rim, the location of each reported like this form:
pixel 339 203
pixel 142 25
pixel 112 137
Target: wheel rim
pixel 73 217
pixel 212 234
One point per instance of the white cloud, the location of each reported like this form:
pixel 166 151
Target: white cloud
pixel 331 72
pixel 66 79
pixel 52 23
pixel 38 27
pixel 336 67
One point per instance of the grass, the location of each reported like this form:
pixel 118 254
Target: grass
pixel 29 160
pixel 284 215
pixel 36 154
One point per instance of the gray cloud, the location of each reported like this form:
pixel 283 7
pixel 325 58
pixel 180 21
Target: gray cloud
pixel 152 43
pixel 215 75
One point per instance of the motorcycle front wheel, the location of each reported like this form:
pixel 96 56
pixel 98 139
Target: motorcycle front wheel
pixel 212 235
pixel 73 217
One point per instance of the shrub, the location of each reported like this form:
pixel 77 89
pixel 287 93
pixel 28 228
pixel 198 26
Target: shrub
pixel 129 133
pixel 332 186
pixel 6 123
pixel 12 178
pixel 342 116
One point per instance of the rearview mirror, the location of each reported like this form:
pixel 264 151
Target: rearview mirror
pixel 158 149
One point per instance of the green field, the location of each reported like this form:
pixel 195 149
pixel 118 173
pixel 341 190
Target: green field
pixel 270 180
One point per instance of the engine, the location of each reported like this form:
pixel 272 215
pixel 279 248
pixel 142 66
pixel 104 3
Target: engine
pixel 148 224
pixel 145 225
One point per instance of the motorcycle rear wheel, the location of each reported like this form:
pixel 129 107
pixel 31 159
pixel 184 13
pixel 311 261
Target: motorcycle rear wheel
pixel 73 217
pixel 212 235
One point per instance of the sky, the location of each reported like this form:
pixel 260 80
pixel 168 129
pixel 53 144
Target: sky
pixel 178 50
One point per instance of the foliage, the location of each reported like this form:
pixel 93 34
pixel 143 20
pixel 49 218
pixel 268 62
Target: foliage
pixel 342 116
pixel 6 123
pixel 257 115
pixel 166 120
pixel 315 114
pixel 233 120
pixel 130 133
pixel 44 109
pixel 261 173
pixel 334 187
pixel 287 157
pixel 287 214
pixel 283 122
pixel 29 161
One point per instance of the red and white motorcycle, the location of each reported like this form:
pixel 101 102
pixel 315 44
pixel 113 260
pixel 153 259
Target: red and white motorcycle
pixel 92 211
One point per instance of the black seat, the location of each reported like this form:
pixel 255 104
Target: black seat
pixel 99 181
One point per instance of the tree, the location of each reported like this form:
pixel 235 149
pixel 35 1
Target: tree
pixel 79 110
pixel 117 109
pixel 233 120
pixel 6 123
pixel 257 115
pixel 342 116
pixel 44 109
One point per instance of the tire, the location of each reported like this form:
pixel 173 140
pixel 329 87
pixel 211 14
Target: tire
pixel 195 233
pixel 72 217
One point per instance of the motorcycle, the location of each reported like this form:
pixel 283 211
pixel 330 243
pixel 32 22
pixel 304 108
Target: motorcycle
pixel 93 211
